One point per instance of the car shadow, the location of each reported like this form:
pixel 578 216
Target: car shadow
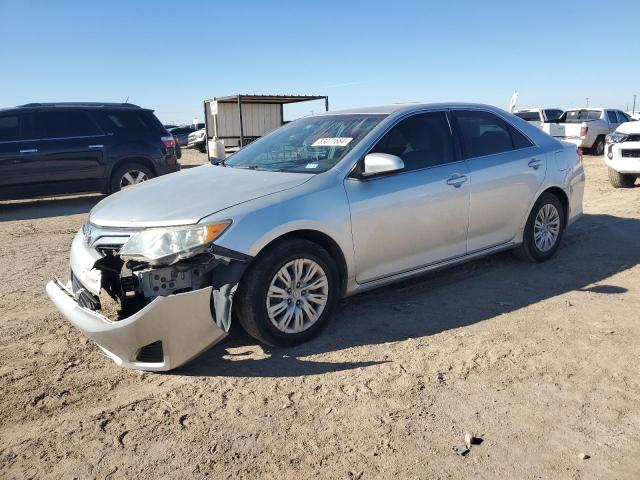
pixel 47 207
pixel 592 250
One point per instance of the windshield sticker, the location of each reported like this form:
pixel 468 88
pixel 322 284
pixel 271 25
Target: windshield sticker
pixel 332 142
pixel 311 165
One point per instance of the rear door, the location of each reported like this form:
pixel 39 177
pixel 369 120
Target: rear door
pixel 506 171
pixel 72 149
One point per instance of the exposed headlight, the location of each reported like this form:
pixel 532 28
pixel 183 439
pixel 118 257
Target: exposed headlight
pixel 167 245
pixel 616 137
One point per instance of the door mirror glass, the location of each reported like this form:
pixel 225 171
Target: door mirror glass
pixel 378 163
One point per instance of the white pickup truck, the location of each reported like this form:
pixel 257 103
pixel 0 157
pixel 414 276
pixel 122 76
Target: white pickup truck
pixel 537 116
pixel 586 127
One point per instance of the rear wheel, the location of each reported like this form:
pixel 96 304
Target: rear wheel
pixel 598 146
pixel 129 174
pixel 543 231
pixel 289 293
pixel 621 180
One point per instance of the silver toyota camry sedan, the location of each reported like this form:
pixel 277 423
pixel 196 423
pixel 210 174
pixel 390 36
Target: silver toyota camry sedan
pixel 324 207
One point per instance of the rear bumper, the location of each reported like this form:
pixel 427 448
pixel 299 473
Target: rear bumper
pixel 182 322
pixel 578 142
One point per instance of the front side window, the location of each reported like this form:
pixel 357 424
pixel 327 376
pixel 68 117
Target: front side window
pixel 483 133
pixel 18 127
pixel 309 145
pixel 9 128
pixel 65 124
pixel 422 141
pixel 612 116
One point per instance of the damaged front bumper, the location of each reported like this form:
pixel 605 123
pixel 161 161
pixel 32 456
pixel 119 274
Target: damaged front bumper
pixel 181 323
pixel 144 317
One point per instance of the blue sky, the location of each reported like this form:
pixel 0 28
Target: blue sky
pixel 169 56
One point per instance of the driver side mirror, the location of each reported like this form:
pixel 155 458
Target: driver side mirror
pixel 379 163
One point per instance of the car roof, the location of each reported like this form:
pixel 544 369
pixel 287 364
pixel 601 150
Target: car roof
pixel 73 105
pixel 407 108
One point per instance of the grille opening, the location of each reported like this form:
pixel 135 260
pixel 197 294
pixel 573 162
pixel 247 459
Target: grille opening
pixel 151 353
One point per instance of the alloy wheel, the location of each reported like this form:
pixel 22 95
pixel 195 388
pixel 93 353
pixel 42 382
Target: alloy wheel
pixel 546 228
pixel 133 177
pixel 297 295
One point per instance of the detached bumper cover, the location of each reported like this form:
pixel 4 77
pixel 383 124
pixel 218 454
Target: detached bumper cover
pixel 182 322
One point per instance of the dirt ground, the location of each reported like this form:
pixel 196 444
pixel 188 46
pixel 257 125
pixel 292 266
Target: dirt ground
pixel 541 361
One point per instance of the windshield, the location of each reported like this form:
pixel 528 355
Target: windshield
pixel 578 116
pixel 310 145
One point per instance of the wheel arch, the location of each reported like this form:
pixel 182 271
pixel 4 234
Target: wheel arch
pixel 323 240
pixel 562 196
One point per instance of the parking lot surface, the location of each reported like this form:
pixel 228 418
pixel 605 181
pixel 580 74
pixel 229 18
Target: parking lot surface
pixel 539 360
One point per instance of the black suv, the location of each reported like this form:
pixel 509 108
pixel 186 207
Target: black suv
pixel 54 148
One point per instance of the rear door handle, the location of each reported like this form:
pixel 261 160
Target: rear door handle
pixel 29 150
pixel 456 180
pixel 95 147
pixel 535 163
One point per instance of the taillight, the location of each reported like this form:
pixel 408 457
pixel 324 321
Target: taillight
pixel 583 131
pixel 169 142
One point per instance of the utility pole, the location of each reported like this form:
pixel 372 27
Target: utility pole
pixel 634 104
pixel 587 101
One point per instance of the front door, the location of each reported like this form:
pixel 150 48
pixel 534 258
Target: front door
pixel 418 216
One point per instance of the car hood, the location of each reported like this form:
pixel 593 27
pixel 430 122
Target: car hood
pixel 629 128
pixel 187 196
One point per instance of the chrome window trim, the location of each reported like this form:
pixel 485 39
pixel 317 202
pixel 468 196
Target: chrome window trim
pixel 54 138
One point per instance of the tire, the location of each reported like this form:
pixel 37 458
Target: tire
pixel 598 146
pixel 621 180
pixel 119 176
pixel 251 300
pixel 530 250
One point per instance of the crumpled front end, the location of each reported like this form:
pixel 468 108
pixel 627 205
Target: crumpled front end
pixel 148 317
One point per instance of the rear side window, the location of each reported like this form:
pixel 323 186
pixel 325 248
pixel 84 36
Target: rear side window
pixel 422 140
pixel 65 124
pixel 483 133
pixel 622 117
pixel 134 122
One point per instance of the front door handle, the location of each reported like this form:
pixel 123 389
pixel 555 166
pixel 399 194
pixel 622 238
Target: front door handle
pixel 535 163
pixel 95 147
pixel 29 150
pixel 456 180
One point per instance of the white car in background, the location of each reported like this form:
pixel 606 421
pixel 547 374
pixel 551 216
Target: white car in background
pixel 623 155
pixel 634 115
pixel 586 127
pixel 196 140
pixel 537 116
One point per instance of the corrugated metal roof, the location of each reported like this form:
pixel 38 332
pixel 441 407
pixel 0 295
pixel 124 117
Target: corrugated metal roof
pixel 275 99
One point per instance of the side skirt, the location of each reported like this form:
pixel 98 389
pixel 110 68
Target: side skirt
pixel 356 288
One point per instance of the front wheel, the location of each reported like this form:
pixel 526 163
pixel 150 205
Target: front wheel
pixel 621 180
pixel 543 231
pixel 288 294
